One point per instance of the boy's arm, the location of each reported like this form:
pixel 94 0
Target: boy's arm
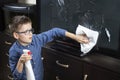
pixel 79 38
pixel 19 67
pixel 58 32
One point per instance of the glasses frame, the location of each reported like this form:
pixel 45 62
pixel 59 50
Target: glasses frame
pixel 26 32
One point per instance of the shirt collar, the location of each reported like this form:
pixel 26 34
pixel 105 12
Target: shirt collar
pixel 21 46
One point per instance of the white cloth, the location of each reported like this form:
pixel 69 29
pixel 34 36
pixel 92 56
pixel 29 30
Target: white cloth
pixel 28 68
pixel 92 36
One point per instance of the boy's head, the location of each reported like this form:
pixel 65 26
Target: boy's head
pixel 21 29
pixel 17 22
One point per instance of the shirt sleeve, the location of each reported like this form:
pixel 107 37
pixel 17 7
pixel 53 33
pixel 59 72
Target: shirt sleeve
pixel 13 59
pixel 17 75
pixel 51 34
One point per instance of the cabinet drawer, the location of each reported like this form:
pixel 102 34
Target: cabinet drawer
pixel 5 59
pixel 49 65
pixel 6 73
pixel 97 73
pixel 68 68
pixel 6 42
pixel 59 67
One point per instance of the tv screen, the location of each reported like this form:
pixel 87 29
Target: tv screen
pixel 100 15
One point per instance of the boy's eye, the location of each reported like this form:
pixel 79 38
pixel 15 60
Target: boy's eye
pixel 26 32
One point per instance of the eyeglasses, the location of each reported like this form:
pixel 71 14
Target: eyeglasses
pixel 26 32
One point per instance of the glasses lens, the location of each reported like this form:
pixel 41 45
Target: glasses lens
pixel 26 32
pixel 29 31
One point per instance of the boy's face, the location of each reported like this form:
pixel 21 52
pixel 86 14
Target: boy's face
pixel 24 34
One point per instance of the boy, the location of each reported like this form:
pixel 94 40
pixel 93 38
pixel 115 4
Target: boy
pixel 21 29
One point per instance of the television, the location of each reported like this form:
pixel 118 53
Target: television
pixel 100 15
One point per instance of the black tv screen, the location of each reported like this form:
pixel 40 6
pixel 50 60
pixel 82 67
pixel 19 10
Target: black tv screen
pixel 100 15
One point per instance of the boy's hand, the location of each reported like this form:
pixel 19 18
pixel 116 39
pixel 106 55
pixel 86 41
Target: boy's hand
pixel 82 38
pixel 25 57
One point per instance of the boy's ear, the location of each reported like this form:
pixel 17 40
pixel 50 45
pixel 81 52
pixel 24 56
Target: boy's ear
pixel 15 35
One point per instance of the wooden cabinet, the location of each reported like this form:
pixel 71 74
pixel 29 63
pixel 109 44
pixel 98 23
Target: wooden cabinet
pixel 63 66
pixel 100 67
pixel 5 43
pixel 97 73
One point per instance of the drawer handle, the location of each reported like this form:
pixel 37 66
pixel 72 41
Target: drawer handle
pixel 8 66
pixel 42 58
pixel 10 77
pixel 8 43
pixel 7 54
pixel 85 77
pixel 62 65
pixel 57 78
